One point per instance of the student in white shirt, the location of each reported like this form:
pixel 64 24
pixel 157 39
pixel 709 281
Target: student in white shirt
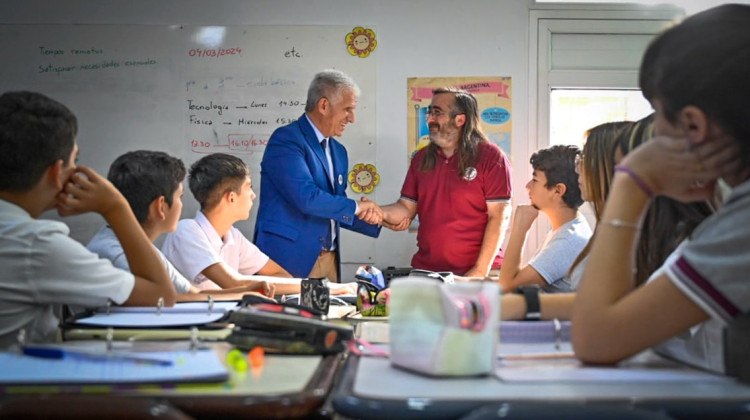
pixel 554 191
pixel 43 267
pixel 208 250
pixel 152 184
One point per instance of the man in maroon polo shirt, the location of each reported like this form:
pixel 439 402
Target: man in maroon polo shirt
pixel 460 187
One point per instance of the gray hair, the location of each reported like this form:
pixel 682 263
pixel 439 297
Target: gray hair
pixel 329 84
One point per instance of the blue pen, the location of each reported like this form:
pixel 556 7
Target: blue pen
pixel 58 353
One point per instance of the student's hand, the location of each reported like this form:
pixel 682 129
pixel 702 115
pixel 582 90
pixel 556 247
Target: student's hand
pixel 263 288
pixel 681 170
pixel 343 288
pixel 369 212
pixel 262 296
pixel 524 216
pixel 88 191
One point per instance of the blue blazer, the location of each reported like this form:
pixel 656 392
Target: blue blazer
pixel 297 201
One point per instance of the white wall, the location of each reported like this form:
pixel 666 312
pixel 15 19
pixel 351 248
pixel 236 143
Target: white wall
pixel 415 38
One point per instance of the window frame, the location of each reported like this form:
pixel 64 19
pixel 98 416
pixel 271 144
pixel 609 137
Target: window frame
pixel 546 20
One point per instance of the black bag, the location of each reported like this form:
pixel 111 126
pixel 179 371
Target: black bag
pixel 285 329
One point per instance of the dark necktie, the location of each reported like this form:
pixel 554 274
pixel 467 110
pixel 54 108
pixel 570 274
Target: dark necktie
pixel 329 236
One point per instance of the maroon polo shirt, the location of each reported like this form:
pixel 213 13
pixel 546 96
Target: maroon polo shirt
pixel 452 210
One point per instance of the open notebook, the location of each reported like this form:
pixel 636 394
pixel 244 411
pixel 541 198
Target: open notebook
pixel 181 315
pixel 185 366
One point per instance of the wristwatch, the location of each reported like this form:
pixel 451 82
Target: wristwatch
pixel 533 308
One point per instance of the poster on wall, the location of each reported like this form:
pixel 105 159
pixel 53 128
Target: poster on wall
pixel 493 95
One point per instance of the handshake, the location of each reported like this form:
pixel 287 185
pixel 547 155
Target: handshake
pixel 393 216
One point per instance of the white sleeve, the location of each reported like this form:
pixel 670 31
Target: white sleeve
pixel 252 259
pixel 554 261
pixel 81 276
pixel 181 284
pixel 189 250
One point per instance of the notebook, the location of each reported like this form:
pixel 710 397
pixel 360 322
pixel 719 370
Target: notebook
pixel 186 366
pixel 181 315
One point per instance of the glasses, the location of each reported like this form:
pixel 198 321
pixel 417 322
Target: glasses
pixel 435 113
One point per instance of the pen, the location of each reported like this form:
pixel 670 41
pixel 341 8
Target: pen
pixel 58 353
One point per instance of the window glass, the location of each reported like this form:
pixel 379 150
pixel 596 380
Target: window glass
pixel 573 111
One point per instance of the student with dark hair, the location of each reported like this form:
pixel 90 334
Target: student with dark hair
pixel 43 267
pixel 695 76
pixel 554 191
pixel 208 250
pixel 668 221
pixel 152 184
pixel 595 167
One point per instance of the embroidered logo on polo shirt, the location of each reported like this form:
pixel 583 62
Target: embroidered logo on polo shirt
pixel 470 173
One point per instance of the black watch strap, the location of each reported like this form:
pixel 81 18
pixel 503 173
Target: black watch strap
pixel 533 308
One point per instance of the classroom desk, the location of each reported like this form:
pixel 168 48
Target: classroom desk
pixel 287 387
pixel 370 388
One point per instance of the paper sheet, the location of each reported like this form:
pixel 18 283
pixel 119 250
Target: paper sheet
pixel 187 366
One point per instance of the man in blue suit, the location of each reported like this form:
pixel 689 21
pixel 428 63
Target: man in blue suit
pixel 303 182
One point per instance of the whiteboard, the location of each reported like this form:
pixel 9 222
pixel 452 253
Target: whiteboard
pixel 187 91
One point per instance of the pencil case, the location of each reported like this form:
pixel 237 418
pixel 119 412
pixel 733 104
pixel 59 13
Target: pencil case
pixel 443 329
pixel 284 329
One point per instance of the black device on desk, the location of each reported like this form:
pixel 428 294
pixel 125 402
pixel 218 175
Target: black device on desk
pixel 286 329
pixel 392 272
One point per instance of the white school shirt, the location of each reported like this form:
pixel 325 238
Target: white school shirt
pixel 43 268
pixel 106 244
pixel 711 270
pixel 702 344
pixel 557 253
pixel 196 245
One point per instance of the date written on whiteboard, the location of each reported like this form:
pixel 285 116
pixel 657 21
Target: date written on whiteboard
pixel 214 52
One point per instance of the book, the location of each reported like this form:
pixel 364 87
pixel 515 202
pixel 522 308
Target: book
pixel 112 368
